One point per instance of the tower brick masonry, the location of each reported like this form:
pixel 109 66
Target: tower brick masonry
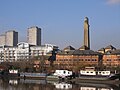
pixel 86 33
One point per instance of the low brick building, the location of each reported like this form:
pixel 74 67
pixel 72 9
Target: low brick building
pixel 111 58
pixel 69 58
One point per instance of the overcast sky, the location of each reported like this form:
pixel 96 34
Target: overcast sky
pixel 62 21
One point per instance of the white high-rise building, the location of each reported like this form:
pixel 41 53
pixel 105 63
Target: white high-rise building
pixel 34 36
pixel 11 38
pixel 2 40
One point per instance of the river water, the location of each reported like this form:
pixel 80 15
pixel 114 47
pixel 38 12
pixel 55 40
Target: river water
pixel 21 84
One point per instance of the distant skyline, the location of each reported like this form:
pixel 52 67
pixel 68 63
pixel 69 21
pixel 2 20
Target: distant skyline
pixel 61 21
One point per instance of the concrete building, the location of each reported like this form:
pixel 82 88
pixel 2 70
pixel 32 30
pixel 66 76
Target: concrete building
pixel 7 53
pixel 34 36
pixel 23 51
pixel 11 38
pixel 2 39
pixel 86 33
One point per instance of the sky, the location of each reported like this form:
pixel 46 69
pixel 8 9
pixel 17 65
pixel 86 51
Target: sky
pixel 62 21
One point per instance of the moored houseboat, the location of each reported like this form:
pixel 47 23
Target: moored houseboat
pixel 11 73
pixel 63 73
pixel 33 75
pixel 91 73
pixel 60 74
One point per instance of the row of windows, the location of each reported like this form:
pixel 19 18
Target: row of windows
pixel 64 65
pixel 85 60
pixel 79 56
pixel 109 60
pixel 22 52
pixel 99 72
pixel 112 64
pixel 76 59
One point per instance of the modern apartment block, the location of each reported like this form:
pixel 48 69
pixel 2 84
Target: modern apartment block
pixel 11 50
pixel 10 38
pixel 23 51
pixel 34 36
pixel 2 39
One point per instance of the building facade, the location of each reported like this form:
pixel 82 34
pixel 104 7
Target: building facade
pixel 74 59
pixel 34 36
pixel 11 38
pixel 112 59
pixel 2 40
pixel 23 51
pixel 111 56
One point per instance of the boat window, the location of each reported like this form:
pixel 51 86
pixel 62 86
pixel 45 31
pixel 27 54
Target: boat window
pixel 83 71
pixel 87 72
pixel 64 72
pixel 91 72
pixel 64 86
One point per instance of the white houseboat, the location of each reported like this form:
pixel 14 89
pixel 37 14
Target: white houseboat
pixel 63 73
pixel 12 73
pixel 91 73
pixel 59 74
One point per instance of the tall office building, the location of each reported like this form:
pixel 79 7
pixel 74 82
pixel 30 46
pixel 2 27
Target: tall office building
pixel 86 33
pixel 34 36
pixel 2 39
pixel 11 38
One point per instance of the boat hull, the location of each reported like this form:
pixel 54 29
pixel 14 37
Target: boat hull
pixel 52 78
pixel 33 75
